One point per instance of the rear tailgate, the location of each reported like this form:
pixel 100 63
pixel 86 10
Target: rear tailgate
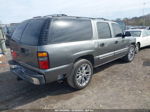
pixel 24 54
pixel 25 42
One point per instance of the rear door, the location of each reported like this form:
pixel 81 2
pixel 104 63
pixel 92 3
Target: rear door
pixel 105 43
pixel 25 41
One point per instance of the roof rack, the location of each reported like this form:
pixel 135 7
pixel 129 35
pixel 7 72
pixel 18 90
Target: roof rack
pixel 64 15
pixel 80 17
pixel 55 15
pixel 37 17
pixel 101 19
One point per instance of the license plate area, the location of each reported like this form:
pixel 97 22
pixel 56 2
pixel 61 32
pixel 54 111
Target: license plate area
pixel 18 69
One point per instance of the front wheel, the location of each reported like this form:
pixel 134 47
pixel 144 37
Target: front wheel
pixel 131 54
pixel 81 74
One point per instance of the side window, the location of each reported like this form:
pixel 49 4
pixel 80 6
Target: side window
pixel 103 30
pixel 117 30
pixel 148 32
pixel 70 30
pixel 145 33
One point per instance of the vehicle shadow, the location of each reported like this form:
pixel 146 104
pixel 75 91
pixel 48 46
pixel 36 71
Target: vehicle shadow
pixel 14 94
pixel 144 48
pixel 146 62
pixel 105 66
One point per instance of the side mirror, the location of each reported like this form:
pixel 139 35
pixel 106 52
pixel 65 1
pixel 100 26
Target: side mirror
pixel 119 35
pixel 123 36
pixel 127 34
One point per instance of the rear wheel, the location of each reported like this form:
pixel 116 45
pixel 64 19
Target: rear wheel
pixel 19 79
pixel 81 74
pixel 131 54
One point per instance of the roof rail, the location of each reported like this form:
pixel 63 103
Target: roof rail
pixel 101 19
pixel 61 15
pixel 55 15
pixel 104 19
pixel 37 17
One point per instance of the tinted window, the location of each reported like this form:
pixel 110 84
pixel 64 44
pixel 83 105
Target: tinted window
pixel 28 32
pixel 69 30
pixel 103 30
pixel 19 30
pixel 32 32
pixel 117 30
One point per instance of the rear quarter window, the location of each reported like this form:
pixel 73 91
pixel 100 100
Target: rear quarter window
pixel 70 30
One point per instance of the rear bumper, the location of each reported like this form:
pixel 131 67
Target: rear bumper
pixel 27 75
pixel 39 77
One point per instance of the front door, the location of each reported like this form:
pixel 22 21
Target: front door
pixel 121 44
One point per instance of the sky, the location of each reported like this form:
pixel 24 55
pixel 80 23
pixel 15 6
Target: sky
pixel 12 11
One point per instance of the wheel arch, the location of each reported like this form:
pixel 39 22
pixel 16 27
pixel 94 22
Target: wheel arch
pixel 88 57
pixel 133 43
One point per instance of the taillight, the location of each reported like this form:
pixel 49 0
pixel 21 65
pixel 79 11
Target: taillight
pixel 43 60
pixel 14 54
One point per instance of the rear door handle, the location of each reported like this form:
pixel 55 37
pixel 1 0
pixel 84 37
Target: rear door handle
pixel 102 45
pixel 116 42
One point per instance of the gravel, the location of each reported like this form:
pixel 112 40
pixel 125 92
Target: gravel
pixel 116 85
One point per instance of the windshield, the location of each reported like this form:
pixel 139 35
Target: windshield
pixel 134 33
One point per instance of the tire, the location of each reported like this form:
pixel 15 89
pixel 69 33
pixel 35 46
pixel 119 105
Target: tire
pixel 18 78
pixel 79 78
pixel 137 48
pixel 131 54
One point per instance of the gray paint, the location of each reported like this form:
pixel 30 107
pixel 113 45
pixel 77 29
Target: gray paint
pixel 63 55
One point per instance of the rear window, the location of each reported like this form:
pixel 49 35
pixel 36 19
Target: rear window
pixel 70 30
pixel 19 30
pixel 29 31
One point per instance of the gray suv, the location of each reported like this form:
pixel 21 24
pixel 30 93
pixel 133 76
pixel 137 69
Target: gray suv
pixel 52 48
